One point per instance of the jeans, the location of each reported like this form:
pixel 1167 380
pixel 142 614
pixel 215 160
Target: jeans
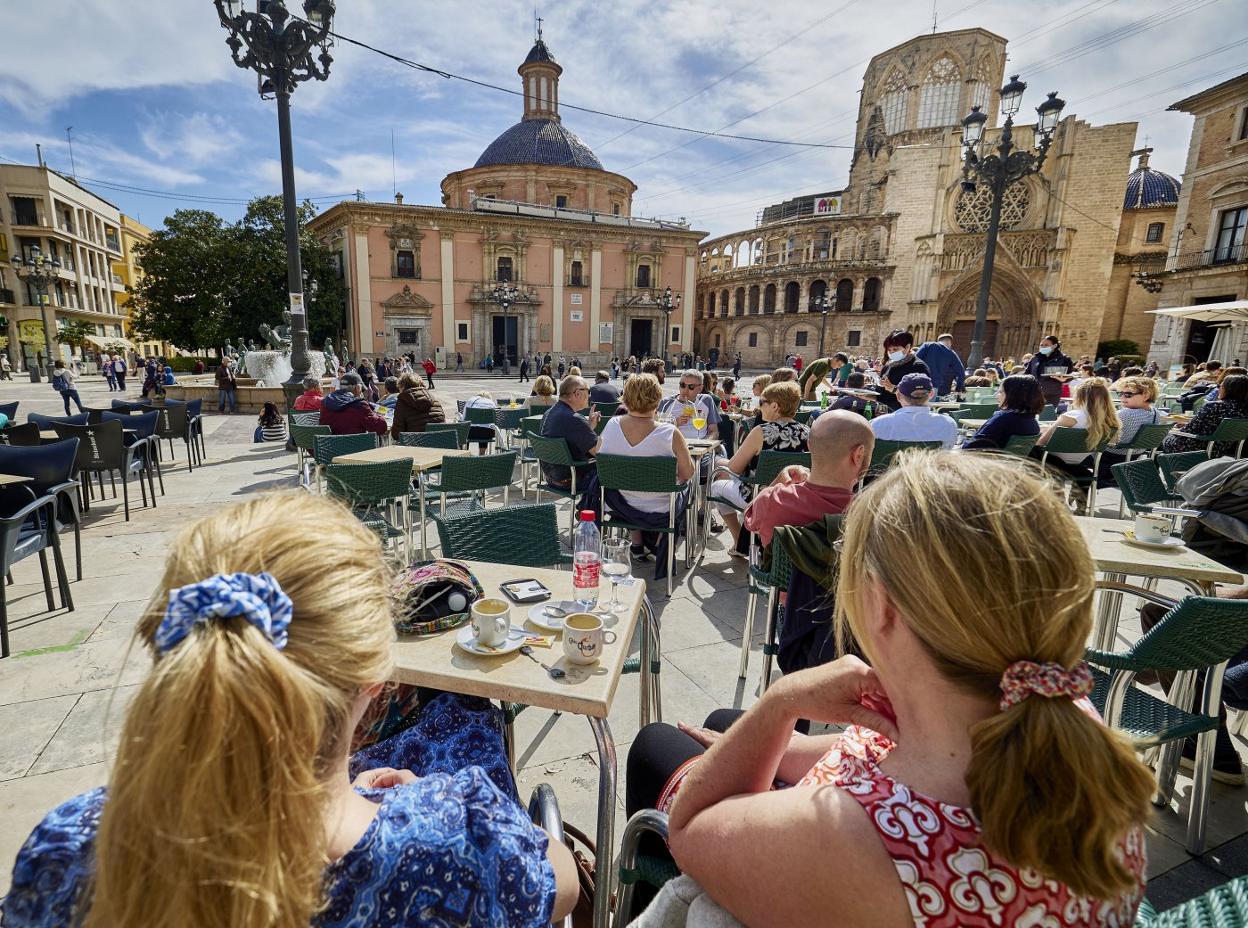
pixel 67 395
pixel 121 382
pixel 227 396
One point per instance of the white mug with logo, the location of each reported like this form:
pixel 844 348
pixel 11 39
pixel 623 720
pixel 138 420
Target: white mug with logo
pixel 1151 528
pixel 491 622
pixel 584 637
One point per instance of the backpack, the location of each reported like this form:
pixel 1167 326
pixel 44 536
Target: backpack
pixel 59 384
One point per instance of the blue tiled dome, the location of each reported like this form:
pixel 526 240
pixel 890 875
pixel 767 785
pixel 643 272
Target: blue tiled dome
pixel 1150 189
pixel 539 141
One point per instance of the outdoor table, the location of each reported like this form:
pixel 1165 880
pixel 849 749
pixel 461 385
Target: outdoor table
pixel 11 479
pixel 1116 559
pixel 435 661
pixel 423 459
pixel 972 424
pixel 699 505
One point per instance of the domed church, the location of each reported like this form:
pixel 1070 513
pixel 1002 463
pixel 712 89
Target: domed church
pixel 539 213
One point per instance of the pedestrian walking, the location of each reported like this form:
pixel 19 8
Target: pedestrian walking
pixel 489 363
pixel 119 371
pixel 65 383
pixel 524 368
pixel 563 366
pixel 736 367
pixel 6 368
pixel 430 370
pixel 227 386
pixel 459 361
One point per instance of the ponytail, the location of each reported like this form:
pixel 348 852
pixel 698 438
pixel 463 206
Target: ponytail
pixel 1055 790
pixel 217 803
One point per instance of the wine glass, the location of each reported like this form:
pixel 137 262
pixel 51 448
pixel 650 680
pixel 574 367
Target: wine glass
pixel 616 567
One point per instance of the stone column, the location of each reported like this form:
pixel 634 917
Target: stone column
pixel 448 291
pixel 556 299
pixel 363 293
pixel 688 298
pixel 595 299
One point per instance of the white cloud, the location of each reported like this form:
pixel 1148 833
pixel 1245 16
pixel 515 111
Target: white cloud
pixel 198 139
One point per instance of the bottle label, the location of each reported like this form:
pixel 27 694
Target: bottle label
pixel 585 568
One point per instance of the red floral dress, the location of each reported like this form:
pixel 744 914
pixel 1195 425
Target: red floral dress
pixel 949 879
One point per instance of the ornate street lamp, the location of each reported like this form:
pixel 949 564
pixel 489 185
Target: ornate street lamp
pixel 1008 166
pixel 821 304
pixel 40 272
pixel 504 294
pixel 667 303
pixel 279 49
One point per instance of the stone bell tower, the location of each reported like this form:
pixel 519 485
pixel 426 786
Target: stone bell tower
pixel 539 76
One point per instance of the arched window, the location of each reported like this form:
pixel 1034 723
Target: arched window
pixel 792 291
pixel 894 102
pixel 769 299
pixel 739 301
pixel 818 288
pixel 844 295
pixel 723 302
pixel 871 295
pixel 938 97
pixel 577 275
pixel 643 277
pixel 756 251
pixel 823 245
pixel 503 269
pixel 743 254
pixel 755 309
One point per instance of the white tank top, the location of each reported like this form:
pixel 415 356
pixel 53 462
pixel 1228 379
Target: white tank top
pixel 658 444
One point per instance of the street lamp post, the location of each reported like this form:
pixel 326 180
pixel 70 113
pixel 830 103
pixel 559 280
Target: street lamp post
pixel 40 272
pixel 279 49
pixel 1008 166
pixel 667 303
pixel 504 294
pixel 822 304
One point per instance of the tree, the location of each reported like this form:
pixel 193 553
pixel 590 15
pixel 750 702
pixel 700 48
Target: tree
pixel 206 281
pixel 74 332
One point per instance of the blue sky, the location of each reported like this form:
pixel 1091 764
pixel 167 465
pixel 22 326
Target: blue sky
pixel 156 103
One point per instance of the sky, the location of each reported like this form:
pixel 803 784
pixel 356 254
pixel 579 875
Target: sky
pixel 162 119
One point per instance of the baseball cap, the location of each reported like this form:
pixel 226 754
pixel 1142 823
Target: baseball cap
pixel 355 380
pixel 914 383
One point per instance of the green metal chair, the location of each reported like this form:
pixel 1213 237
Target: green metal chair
pixel 447 440
pixel 1048 413
pixel 635 867
pixel 1199 633
pixel 885 451
pixel 1229 431
pixel 768 467
pixel 607 409
pixel 508 421
pixel 528 427
pixel 978 410
pixel 463 479
pixel 483 418
pixel 378 495
pixel 527 536
pixel 1074 441
pixel 311 417
pixel 1143 490
pixel 1020 445
pixel 1174 466
pixel 1224 906
pixel 327 447
pixel 644 475
pixel 555 451
pixel 768 584
pixel 460 429
pixel 304 437
pixel 1148 438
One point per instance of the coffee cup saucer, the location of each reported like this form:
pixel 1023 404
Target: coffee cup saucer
pixel 516 638
pixel 1168 542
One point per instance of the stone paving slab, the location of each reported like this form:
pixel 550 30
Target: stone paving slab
pixel 64 693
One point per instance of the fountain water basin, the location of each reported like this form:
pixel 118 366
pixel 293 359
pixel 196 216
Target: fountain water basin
pixel 272 368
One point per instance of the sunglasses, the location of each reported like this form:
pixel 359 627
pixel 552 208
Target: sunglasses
pixel 691 386
pixel 1126 394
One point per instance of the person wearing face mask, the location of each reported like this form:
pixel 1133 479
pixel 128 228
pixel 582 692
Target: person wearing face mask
pixel 901 360
pixel 1051 368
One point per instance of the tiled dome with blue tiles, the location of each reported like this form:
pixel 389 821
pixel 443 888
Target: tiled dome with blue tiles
pixel 540 138
pixel 1148 188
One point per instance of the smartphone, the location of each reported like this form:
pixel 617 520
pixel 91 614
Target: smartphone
pixel 525 591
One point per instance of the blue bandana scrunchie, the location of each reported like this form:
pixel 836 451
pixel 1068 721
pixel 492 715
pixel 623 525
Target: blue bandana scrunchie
pixel 258 598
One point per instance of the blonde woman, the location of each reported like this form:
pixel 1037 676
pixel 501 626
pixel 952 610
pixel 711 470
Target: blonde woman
pixel 231 800
pixel 780 431
pixel 638 434
pixel 543 393
pixel 1092 409
pixel 975 785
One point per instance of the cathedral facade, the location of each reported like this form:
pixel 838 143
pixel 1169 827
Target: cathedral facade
pixel 901 247
pixel 537 214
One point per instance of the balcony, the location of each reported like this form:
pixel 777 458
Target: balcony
pixel 1212 257
pixel 795 269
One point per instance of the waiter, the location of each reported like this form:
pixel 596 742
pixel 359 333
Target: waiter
pixel 1051 368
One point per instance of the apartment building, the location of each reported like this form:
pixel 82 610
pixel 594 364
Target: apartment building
pixel 42 208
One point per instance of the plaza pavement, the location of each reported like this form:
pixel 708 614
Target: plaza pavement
pixel 64 692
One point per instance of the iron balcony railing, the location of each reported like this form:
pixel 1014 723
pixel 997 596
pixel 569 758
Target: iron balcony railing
pixel 1212 257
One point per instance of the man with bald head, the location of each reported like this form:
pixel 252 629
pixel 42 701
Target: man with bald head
pixel 840 451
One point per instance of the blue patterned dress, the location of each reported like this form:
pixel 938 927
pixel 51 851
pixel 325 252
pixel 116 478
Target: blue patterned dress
pixel 454 849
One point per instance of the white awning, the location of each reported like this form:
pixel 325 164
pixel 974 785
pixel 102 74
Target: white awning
pixel 109 341
pixel 1232 311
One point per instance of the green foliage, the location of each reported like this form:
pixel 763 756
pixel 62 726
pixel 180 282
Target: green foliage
pixel 1117 348
pixel 185 364
pixel 74 332
pixel 207 281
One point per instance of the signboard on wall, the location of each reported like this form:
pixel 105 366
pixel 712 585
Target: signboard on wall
pixel 827 205
pixel 606 332
pixel 577 315
pixel 577 299
pixel 30 330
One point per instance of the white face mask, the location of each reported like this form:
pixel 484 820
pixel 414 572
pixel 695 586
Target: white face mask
pixel 896 355
pixel 1046 349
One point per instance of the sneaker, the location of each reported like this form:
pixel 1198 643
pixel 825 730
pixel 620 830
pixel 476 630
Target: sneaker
pixel 639 553
pixel 733 552
pixel 717 525
pixel 1227 767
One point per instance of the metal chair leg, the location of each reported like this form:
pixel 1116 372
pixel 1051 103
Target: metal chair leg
pixel 751 603
pixel 769 639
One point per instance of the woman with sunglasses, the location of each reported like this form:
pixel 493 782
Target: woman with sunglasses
pixel 1138 394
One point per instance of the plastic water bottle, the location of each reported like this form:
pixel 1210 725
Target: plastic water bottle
pixel 586 561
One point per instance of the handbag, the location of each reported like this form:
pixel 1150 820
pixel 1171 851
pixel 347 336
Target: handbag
pixel 586 863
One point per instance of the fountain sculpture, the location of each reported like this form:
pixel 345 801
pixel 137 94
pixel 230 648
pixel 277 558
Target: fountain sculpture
pixel 271 368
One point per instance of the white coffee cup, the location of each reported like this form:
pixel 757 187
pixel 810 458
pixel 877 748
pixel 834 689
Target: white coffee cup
pixel 1152 528
pixel 584 637
pixel 491 622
